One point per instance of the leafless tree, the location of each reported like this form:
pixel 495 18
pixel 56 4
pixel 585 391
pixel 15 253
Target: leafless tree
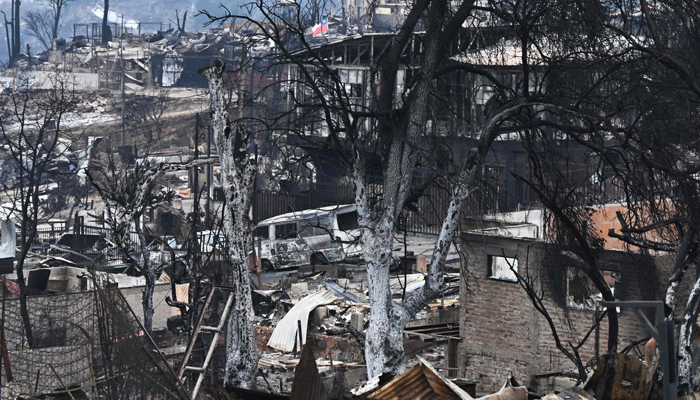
pixel 106 32
pixel 56 7
pixel 39 23
pixel 663 144
pixel 323 101
pixel 238 171
pixel 33 137
pixel 549 43
pixel 640 128
pixel 128 191
pixel 146 113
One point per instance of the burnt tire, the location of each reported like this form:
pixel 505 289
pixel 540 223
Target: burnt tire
pixel 266 266
pixel 318 259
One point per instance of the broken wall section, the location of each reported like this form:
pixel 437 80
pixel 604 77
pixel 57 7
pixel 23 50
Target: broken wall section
pixel 502 332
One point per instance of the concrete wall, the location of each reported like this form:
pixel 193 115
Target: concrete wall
pixel 502 332
pixel 81 81
pixel 162 311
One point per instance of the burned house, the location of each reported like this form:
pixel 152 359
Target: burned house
pixel 500 329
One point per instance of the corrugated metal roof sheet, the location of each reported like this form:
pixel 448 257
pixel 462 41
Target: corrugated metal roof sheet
pixel 307 384
pixel 285 334
pixel 422 382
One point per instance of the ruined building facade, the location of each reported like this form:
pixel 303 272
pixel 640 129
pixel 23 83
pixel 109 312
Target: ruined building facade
pixel 501 331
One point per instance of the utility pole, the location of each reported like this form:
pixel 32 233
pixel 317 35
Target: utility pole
pixel 195 170
pixel 16 50
pixel 121 61
pixel 210 188
pixel 7 36
pixel 195 191
pixel 194 288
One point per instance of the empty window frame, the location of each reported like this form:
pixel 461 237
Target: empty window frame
pixel 315 227
pixel 503 268
pixel 286 231
pixel 348 221
pixel 581 293
pixel 262 232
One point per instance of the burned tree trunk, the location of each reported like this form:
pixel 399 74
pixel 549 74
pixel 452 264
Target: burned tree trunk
pixel 384 345
pixel 106 33
pixel 16 38
pixel 238 175
pixel 149 274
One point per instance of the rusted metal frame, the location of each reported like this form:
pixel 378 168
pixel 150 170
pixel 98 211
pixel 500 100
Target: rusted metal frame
pixel 435 329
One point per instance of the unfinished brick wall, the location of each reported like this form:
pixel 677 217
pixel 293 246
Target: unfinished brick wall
pixel 501 330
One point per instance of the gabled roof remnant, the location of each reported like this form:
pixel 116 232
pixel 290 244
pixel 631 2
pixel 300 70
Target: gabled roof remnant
pixel 510 391
pixel 423 382
pixel 307 384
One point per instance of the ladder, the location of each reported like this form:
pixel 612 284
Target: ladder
pixel 217 330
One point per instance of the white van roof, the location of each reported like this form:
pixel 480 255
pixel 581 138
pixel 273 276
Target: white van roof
pixel 314 212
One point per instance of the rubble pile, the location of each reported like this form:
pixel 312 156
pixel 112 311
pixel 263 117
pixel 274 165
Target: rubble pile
pixel 156 59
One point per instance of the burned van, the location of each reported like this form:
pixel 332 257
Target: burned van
pixel 318 236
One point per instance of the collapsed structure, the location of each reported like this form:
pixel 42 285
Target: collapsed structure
pixel 327 303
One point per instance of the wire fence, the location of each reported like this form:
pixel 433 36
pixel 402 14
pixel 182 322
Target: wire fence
pixel 87 343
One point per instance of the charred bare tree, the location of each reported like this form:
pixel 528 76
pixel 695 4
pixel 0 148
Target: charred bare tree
pixel 56 7
pixel 38 23
pixel 33 138
pixel 128 191
pixel 397 128
pixel 238 171
pixel 591 90
pixel 664 145
pixel 106 32
pixel 640 130
pixel 533 286
pixel 146 113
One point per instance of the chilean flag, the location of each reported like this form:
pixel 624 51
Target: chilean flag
pixel 322 27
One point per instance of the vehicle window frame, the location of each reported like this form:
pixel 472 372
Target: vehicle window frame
pixel 288 235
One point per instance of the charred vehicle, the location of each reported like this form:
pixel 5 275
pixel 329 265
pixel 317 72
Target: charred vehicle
pixel 318 236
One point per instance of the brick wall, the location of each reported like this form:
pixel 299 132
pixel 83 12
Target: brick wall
pixel 502 332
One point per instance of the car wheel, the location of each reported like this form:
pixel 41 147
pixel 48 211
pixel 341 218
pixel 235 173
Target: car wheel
pixel 266 266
